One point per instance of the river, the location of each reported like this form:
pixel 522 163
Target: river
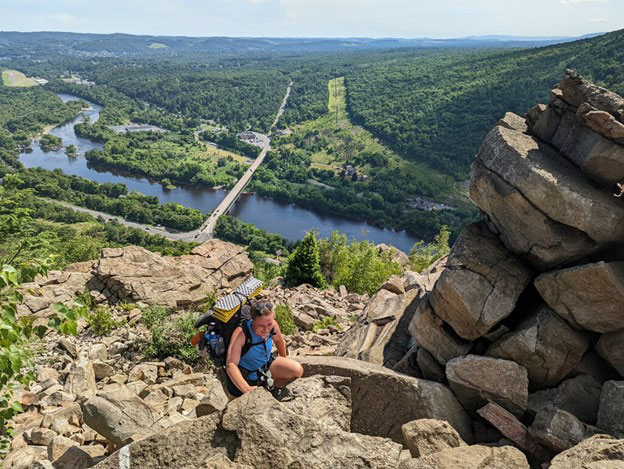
pixel 288 220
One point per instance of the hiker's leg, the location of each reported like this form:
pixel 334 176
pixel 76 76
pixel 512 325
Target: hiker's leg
pixel 285 370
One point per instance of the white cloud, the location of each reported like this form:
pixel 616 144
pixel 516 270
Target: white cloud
pixel 598 20
pixel 577 2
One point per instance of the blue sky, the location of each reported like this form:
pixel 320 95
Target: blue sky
pixel 316 18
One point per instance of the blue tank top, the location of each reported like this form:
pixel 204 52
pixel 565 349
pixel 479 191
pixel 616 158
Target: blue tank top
pixel 257 356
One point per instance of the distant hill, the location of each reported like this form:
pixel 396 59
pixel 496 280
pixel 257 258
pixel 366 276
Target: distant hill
pixel 18 44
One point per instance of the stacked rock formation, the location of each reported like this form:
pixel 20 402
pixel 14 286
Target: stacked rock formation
pixel 528 314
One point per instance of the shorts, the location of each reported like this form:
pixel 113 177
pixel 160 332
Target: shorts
pixel 234 391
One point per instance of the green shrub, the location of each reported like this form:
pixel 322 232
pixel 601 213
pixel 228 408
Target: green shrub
pixel 263 270
pixel 172 338
pixel 154 315
pixel 359 266
pixel 285 319
pixel 422 256
pixel 303 264
pixel 325 323
pixel 127 307
pixel 102 322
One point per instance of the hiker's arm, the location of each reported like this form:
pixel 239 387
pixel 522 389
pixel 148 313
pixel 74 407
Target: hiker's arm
pixel 233 358
pixel 278 338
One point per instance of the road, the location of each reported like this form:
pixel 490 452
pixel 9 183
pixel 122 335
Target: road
pixel 206 231
pixel 155 230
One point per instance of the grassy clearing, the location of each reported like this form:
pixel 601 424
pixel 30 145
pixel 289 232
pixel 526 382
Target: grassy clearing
pixel 15 79
pixel 334 140
pixel 157 45
pixel 212 153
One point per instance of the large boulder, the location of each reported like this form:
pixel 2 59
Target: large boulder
pixel 185 445
pixel 611 348
pixel 428 436
pixel 542 205
pixel 580 396
pixel 545 345
pixel 267 430
pixel 599 451
pixel 476 380
pixel 382 400
pixel 588 296
pixel 471 457
pixel 434 335
pixel 576 91
pixel 381 334
pixel 611 410
pixel 135 274
pixel 325 399
pixel 118 414
pixel 481 283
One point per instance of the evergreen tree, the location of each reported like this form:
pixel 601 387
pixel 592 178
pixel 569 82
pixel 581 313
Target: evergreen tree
pixel 303 264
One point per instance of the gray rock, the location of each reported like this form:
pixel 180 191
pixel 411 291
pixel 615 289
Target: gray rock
pixel 102 370
pixel 513 121
pixel 599 451
pixel 408 365
pixel 542 205
pixel 589 296
pixel 611 348
pixel 580 396
pixel 214 401
pixel 546 124
pixel 471 457
pixel 184 445
pixel 611 410
pixel 117 414
pixel 81 379
pixel 428 436
pixel 476 380
pixel 545 345
pixel 576 91
pixel 325 399
pixel 266 430
pixel 435 336
pixel 481 283
pixel 557 429
pixel 373 413
pixel 598 157
pixel 429 367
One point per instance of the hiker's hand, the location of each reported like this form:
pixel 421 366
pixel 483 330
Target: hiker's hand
pixel 251 388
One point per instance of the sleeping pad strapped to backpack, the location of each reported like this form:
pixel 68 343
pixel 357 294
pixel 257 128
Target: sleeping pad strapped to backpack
pixel 226 315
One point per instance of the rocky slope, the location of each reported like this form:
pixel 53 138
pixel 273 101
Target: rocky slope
pixel 507 353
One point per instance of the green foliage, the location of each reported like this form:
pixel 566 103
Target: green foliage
pixel 102 322
pixel 232 229
pixel 422 256
pixel 154 315
pixel 171 337
pixel 359 266
pixel 303 264
pixel 264 270
pixel 285 319
pixel 71 150
pixel 16 333
pixel 28 110
pixel 325 323
pixel 50 142
pixel 108 198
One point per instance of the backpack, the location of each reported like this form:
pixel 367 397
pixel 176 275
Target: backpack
pixel 226 315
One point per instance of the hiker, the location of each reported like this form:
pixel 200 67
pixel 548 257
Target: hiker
pixel 248 360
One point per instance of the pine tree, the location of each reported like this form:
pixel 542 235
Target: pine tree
pixel 303 264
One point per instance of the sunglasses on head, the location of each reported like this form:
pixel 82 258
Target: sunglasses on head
pixel 263 305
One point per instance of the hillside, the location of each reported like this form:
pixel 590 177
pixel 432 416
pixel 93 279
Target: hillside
pixel 437 106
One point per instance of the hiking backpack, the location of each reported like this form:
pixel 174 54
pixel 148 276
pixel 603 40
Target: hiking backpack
pixel 225 316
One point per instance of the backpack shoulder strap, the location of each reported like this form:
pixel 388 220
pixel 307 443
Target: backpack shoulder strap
pixel 248 339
